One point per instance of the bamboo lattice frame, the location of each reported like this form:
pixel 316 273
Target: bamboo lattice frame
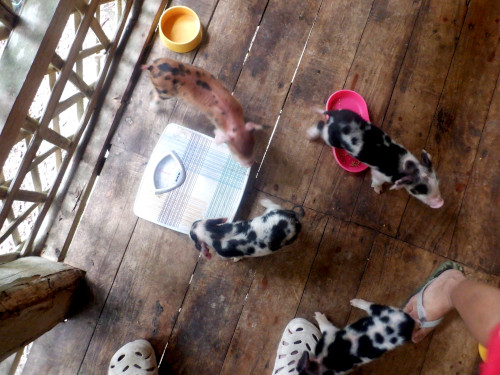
pixel 47 128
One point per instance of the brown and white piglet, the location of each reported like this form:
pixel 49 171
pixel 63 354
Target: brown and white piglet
pixel 202 90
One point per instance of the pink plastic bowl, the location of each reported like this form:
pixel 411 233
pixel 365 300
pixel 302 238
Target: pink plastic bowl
pixel 347 99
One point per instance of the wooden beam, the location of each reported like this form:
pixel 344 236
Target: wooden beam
pixel 47 134
pixel 23 195
pixel 6 258
pixel 58 63
pixel 40 158
pixel 8 366
pixel 12 226
pixel 65 104
pixel 7 3
pixel 99 32
pixel 84 53
pixel 4 32
pixel 55 138
pixel 95 25
pixel 55 122
pixel 30 124
pixel 7 16
pixel 36 295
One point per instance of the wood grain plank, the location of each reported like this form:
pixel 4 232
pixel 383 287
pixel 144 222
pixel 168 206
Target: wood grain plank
pixel 273 296
pixel 264 68
pixel 394 271
pixel 98 249
pixel 268 72
pixel 56 242
pixel 163 301
pixel 208 317
pixel 113 324
pixel 337 271
pixel 323 68
pixel 147 293
pixel 373 74
pixel 413 103
pixel 230 35
pixel 476 239
pixel 457 128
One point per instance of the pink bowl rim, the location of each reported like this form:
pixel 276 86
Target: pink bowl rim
pixel 338 151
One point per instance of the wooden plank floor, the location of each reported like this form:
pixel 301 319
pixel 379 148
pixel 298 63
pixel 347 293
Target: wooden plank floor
pixel 429 71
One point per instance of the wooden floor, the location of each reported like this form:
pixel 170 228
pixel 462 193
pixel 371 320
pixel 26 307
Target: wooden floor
pixel 428 70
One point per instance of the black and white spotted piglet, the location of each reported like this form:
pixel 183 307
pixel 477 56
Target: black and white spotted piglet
pixel 389 161
pixel 340 350
pixel 260 236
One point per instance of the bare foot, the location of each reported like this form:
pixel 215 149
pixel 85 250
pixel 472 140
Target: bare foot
pixel 436 301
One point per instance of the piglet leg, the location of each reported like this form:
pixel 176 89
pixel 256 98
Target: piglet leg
pixel 378 180
pixel 325 326
pixel 361 304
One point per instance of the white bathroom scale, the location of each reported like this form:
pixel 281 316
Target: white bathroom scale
pixel 188 177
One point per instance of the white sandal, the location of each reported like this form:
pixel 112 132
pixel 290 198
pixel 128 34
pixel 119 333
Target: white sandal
pixel 299 336
pixel 135 358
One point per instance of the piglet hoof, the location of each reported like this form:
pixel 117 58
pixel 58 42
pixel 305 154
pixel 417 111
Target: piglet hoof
pixel 320 318
pixel 377 189
pixel 236 259
pixel 360 303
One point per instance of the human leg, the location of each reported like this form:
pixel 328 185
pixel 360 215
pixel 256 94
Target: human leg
pixel 479 306
pixel 435 300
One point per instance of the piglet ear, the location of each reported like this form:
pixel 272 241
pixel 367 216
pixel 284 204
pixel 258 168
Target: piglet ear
pixel 318 110
pixel 213 222
pixel 399 184
pixel 205 251
pixel 252 126
pixel 426 159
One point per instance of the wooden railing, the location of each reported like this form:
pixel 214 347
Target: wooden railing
pixel 30 143
pixel 26 198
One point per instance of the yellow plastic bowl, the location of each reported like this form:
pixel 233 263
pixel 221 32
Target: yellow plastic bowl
pixel 180 29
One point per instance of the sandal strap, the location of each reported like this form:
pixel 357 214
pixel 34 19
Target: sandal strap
pixel 424 323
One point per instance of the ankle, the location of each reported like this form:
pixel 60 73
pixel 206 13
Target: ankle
pixel 452 285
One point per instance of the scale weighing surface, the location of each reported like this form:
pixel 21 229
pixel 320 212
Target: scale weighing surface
pixel 188 177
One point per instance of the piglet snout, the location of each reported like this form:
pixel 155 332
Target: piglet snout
pixel 248 163
pixel 436 203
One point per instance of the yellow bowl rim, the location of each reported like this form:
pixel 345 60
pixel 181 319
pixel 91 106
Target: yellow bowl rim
pixel 192 13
